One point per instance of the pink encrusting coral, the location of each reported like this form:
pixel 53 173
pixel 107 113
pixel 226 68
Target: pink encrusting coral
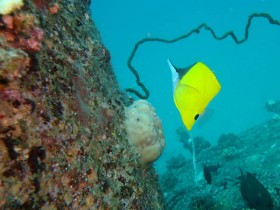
pixel 8 21
pixel 22 32
pixel 34 42
pixel 53 9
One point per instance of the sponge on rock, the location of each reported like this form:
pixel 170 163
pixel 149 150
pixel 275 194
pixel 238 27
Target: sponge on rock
pixel 144 130
pixel 8 6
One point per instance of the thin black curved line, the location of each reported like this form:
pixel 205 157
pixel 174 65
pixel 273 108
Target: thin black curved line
pixel 184 36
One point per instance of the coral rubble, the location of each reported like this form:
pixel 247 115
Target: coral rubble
pixel 254 151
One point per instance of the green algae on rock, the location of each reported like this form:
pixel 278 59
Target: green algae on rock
pixel 63 142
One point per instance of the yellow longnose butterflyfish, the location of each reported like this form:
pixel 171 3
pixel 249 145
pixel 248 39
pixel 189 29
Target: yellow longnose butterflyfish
pixel 193 88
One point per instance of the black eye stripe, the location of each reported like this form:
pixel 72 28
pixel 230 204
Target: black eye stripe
pixel 196 116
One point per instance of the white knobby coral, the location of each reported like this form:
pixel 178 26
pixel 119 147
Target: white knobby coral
pixel 8 6
pixel 144 130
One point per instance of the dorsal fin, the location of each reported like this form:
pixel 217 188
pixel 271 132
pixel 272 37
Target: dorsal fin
pixel 182 71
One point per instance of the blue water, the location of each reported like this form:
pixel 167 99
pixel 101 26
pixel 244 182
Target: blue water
pixel 249 73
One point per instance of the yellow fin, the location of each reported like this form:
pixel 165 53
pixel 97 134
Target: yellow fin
pixel 195 89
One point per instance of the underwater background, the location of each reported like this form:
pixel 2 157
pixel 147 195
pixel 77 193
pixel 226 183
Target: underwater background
pixel 71 138
pixel 249 72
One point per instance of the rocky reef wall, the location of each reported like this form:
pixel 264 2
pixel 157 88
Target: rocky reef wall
pixel 63 143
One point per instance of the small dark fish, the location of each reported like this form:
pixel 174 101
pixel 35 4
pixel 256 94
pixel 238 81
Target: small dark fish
pixel 207 170
pixel 207 174
pixel 254 193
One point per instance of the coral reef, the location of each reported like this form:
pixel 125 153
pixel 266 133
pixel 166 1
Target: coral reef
pixel 200 143
pixel 255 151
pixel 229 152
pixel 228 140
pixel 176 162
pixel 274 107
pixel 144 130
pixel 202 202
pixel 62 140
pixel 229 144
pixel 169 181
pixel 183 134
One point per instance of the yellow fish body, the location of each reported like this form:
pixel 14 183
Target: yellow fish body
pixel 194 87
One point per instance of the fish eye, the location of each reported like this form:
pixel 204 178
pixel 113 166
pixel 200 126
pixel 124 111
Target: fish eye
pixel 196 116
